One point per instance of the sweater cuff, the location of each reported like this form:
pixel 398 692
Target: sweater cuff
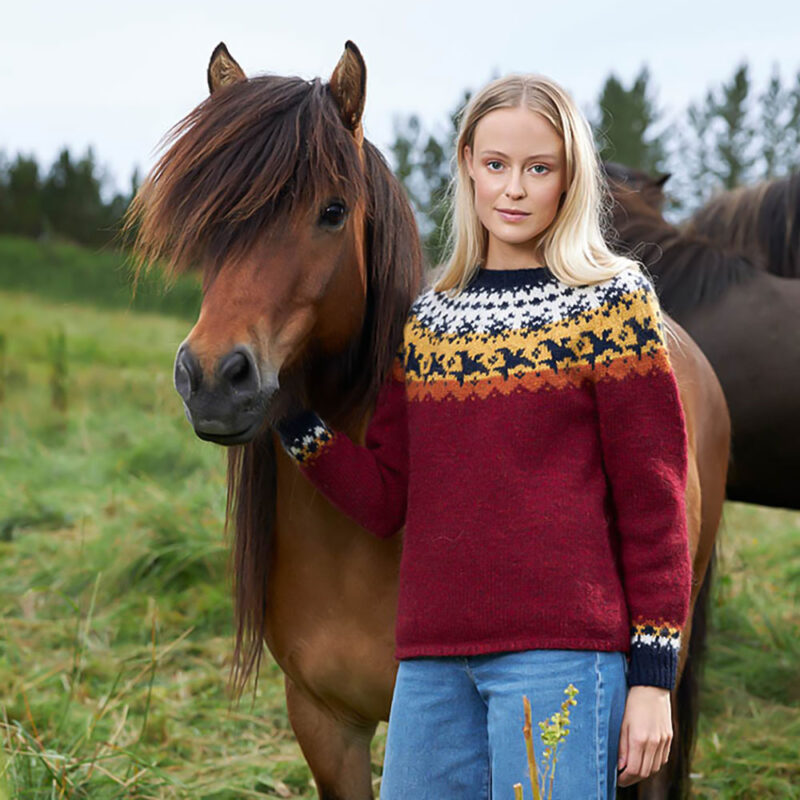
pixel 304 435
pixel 654 655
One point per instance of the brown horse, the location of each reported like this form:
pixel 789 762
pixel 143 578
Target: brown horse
pixel 762 222
pixel 310 261
pixel 745 320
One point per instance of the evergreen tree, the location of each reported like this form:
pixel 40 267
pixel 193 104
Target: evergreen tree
pixel 422 162
pixel 735 138
pixel 692 158
pixel 780 126
pixel 717 149
pixel 71 196
pixel 5 200
pixel 404 149
pixel 623 129
pixel 792 140
pixel 774 103
pixel 20 197
pixel 73 202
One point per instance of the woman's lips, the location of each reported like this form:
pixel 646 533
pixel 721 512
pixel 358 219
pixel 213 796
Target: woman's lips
pixel 511 216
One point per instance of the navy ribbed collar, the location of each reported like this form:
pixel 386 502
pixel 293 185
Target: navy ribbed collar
pixel 512 278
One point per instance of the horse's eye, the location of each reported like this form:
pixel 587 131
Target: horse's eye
pixel 333 215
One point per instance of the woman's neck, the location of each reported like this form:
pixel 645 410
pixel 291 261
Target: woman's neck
pixel 502 255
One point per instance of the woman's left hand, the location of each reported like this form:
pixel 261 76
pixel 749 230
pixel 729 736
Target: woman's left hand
pixel 646 734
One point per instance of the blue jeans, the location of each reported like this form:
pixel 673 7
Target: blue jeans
pixel 455 728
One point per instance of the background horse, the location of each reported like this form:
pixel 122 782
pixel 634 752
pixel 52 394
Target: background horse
pixel 310 261
pixel 761 221
pixel 745 320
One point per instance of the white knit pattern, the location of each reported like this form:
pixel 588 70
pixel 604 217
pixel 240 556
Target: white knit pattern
pixel 489 309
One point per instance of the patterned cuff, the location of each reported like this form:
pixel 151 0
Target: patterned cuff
pixel 654 654
pixel 304 435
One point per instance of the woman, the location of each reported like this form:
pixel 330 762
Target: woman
pixel 531 440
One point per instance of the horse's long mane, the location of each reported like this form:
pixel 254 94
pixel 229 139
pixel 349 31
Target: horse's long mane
pixel 688 270
pixel 761 221
pixel 247 158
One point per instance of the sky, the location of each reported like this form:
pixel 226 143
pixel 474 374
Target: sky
pixel 117 76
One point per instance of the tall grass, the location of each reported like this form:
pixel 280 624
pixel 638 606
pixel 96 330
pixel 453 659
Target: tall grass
pixel 114 606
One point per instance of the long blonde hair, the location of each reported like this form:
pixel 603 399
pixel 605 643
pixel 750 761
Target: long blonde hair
pixel 573 246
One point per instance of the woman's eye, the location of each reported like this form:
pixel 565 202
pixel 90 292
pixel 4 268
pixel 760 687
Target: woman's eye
pixel 536 166
pixel 494 165
pixel 333 215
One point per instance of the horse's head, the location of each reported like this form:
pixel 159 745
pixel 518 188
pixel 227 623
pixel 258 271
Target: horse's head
pixel 298 228
pixel 635 187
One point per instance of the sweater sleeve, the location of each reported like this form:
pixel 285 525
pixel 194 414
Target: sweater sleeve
pixel 368 483
pixel 644 445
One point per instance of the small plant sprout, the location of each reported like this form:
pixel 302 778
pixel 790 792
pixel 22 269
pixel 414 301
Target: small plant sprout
pixel 57 355
pixel 2 377
pixel 553 732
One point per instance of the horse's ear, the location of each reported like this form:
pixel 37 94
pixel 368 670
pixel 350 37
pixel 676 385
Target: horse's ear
pixel 349 88
pixel 663 179
pixel 223 69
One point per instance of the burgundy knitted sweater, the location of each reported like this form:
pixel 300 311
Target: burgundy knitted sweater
pixel 532 440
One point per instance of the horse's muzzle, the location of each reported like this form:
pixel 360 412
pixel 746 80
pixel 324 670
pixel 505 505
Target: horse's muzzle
pixel 227 406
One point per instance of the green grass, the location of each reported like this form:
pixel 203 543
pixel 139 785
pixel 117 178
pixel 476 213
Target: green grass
pixel 750 706
pixel 114 605
pixel 62 271
pixel 116 617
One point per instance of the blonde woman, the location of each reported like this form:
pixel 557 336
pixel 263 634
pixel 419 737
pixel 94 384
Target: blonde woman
pixel 531 440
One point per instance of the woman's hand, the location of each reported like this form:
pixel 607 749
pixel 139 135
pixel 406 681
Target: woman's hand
pixel 646 733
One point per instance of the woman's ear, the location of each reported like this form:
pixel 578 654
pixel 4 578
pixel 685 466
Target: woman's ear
pixel 468 160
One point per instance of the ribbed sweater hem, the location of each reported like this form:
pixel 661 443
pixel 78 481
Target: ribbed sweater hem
pixel 508 645
pixel 653 666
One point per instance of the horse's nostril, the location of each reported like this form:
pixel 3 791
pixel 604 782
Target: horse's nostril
pixel 188 374
pixel 239 370
pixel 235 368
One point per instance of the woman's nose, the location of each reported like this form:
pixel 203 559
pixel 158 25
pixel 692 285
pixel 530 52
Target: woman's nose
pixel 514 188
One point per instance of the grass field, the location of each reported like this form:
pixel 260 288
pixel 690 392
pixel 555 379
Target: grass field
pixel 65 272
pixel 116 620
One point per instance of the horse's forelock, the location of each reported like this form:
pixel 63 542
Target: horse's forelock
pixel 247 158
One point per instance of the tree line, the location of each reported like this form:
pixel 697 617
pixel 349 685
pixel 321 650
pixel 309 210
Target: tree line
pixel 71 200
pixel 736 134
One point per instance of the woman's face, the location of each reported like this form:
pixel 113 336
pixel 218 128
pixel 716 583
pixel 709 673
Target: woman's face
pixel 517 166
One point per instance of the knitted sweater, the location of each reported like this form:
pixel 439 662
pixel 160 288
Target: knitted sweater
pixel 531 438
